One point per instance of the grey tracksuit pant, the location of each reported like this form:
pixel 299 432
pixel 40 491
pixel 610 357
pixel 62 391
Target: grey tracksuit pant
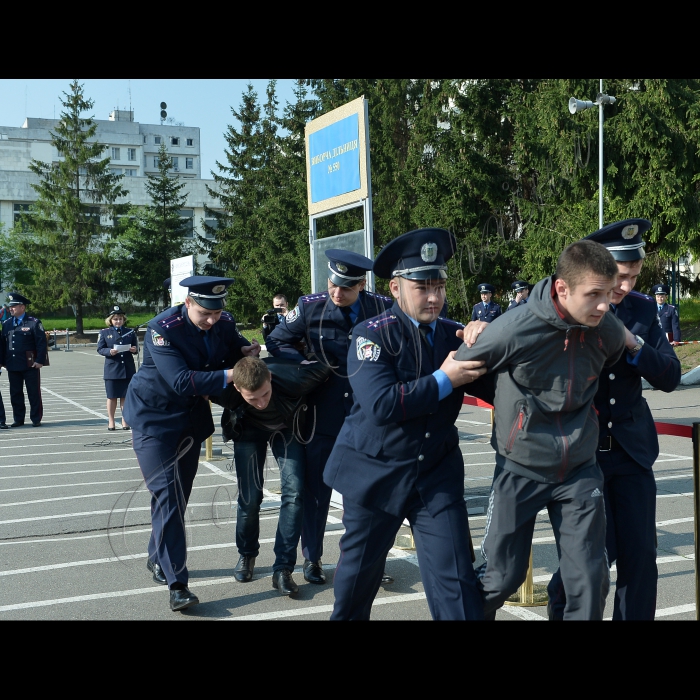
pixel 577 513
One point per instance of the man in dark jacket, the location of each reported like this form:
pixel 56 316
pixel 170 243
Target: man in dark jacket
pixel 23 352
pixel 397 455
pixel 628 445
pixel 668 314
pixel 547 357
pixel 265 406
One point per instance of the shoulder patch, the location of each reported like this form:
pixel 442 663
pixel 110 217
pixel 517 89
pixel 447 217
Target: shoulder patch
pixel 292 316
pixel 367 350
pixel 159 340
pixel 313 297
pixel 172 321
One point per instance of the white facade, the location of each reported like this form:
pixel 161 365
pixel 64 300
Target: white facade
pixel 132 147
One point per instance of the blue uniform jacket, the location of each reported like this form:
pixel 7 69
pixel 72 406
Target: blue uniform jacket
pixel 670 323
pixel 514 304
pixel 399 436
pixel 488 314
pixel 165 395
pixel 328 334
pixel 29 336
pixel 622 410
pixel 121 365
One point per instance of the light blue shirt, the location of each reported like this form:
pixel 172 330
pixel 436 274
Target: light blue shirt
pixel 443 381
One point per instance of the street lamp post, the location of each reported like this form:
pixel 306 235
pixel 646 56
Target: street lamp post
pixel 580 105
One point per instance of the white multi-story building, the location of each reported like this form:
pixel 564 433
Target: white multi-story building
pixel 133 150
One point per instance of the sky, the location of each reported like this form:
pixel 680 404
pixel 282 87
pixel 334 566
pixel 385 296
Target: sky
pixel 203 103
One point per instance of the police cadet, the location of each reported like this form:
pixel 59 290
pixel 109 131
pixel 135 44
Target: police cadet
pixel 668 314
pixel 397 455
pixel 23 353
pixel 522 291
pixel 486 310
pixel 325 321
pixel 188 354
pixel 628 445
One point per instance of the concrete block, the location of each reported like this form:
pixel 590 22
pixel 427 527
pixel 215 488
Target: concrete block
pixel 691 378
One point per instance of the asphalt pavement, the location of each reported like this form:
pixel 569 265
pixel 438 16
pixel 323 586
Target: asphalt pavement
pixel 75 520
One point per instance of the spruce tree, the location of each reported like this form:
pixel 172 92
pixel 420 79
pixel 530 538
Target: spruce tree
pixel 64 246
pixel 153 237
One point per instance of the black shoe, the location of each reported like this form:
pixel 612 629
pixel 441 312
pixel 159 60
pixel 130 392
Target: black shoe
pixel 386 579
pixel 126 427
pixel 36 425
pixel 4 426
pixel 182 598
pixel 17 424
pixel 156 569
pixel 282 580
pixel 110 429
pixel 313 572
pixel 244 569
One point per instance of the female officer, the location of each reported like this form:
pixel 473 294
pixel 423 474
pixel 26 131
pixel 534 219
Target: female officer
pixel 119 365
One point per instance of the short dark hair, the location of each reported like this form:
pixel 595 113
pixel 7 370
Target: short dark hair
pixel 279 296
pixel 250 373
pixel 582 257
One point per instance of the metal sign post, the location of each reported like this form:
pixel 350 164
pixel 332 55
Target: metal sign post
pixel 339 179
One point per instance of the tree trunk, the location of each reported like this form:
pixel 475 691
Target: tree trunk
pixel 79 319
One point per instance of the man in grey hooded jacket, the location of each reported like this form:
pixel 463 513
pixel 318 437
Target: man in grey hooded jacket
pixel 547 357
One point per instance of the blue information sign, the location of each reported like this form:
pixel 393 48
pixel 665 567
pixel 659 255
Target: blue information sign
pixel 334 153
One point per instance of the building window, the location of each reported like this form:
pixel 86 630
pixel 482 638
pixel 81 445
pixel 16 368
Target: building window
pixel 174 140
pixel 18 209
pixel 145 139
pixel 189 163
pixel 130 172
pixel 176 163
pixel 116 154
pixel 116 171
pixel 210 226
pixel 188 214
pixel 190 142
pixel 131 153
pixel 156 140
pixel 156 162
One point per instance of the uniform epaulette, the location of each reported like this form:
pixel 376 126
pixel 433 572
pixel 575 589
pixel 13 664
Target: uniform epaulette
pixel 31 318
pixel 226 316
pixel 639 295
pixel 314 297
pixel 374 295
pixel 385 319
pixel 450 322
pixel 172 321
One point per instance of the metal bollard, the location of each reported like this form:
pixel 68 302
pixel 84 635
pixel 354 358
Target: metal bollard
pixel 209 444
pixel 68 342
pixel 696 504
pixel 530 594
pixel 55 341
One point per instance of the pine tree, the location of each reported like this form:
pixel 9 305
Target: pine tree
pixel 65 244
pixel 153 237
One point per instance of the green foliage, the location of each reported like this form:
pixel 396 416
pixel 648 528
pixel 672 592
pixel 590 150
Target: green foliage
pixel 65 245
pixel 152 237
pixel 13 273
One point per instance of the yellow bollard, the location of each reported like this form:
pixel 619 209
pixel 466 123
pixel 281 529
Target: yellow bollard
pixel 209 444
pixel 529 595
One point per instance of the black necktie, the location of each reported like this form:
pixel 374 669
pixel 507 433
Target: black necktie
pixel 427 334
pixel 346 311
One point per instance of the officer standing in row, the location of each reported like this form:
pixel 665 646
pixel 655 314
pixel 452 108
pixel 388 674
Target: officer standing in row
pixel 668 314
pixel 325 321
pixel 522 291
pixel 397 455
pixel 23 353
pixel 628 444
pixel 486 310
pixel 189 352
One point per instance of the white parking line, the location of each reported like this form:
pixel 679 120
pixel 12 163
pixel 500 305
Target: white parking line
pixel 70 401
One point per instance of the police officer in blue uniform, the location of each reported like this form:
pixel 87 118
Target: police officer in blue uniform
pixel 486 310
pixel 189 351
pixel 397 455
pixel 628 444
pixel 522 291
pixel 668 314
pixel 324 321
pixel 23 353
pixel 119 364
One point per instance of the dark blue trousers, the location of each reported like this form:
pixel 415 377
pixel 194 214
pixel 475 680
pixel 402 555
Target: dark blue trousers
pixel 630 538
pixel 317 497
pixel 444 557
pixel 2 410
pixel 169 471
pixel 31 378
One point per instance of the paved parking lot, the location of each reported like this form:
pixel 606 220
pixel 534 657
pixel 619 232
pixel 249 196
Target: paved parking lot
pixel 74 520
